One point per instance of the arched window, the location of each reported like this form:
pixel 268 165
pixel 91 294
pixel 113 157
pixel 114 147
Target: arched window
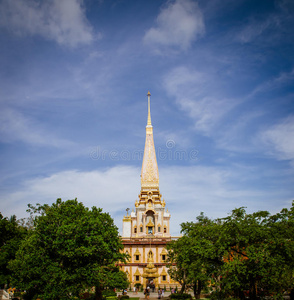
pixel 150 222
pixel 150 255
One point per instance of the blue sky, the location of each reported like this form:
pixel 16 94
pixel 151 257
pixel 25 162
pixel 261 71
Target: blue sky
pixel 73 82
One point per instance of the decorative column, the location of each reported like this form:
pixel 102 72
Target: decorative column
pixel 155 221
pixel 138 215
pixel 131 276
pixel 168 223
pixel 144 223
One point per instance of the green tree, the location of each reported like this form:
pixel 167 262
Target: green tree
pixel 71 248
pixel 193 258
pixel 258 252
pixel 253 252
pixel 282 231
pixel 178 261
pixel 11 236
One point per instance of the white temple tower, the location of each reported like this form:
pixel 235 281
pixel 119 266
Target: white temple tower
pixel 146 229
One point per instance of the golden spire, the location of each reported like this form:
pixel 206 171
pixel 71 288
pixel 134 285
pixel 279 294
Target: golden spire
pixel 149 114
pixel 149 173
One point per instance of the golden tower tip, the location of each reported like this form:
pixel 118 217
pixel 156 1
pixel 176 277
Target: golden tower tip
pixel 149 114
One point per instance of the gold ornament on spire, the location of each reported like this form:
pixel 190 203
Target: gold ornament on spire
pixel 149 114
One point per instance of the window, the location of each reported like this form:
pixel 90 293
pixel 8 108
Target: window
pixel 137 278
pixel 163 277
pixel 163 257
pixel 137 257
pixel 141 229
pixel 158 229
pixel 150 230
pixel 164 230
pixel 135 230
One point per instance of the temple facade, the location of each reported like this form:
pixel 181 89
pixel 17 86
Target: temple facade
pixel 146 229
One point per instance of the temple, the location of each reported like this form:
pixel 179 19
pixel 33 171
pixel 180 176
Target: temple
pixel 146 229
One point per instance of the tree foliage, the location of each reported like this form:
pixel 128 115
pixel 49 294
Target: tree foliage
pixel 242 253
pixel 11 236
pixel 191 258
pixel 71 248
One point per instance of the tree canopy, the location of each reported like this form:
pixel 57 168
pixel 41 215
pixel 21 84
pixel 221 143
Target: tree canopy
pixel 11 236
pixel 70 249
pixel 242 253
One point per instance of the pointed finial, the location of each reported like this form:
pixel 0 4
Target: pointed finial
pixel 149 114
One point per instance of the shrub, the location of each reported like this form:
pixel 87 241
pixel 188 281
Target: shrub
pixel 108 293
pixel 180 296
pixel 138 285
pixel 111 298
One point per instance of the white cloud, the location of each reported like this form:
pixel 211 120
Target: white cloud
pixel 180 80
pixel 186 190
pixel 17 127
pixel 253 30
pixel 188 87
pixel 206 112
pixel 113 190
pixel 238 137
pixel 178 24
pixel 280 81
pixel 62 21
pixel 217 190
pixel 280 139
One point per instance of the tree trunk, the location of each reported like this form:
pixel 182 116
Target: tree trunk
pixel 197 289
pixel 184 284
pixel 239 293
pixel 98 293
pixel 183 287
pixel 292 294
pixel 252 291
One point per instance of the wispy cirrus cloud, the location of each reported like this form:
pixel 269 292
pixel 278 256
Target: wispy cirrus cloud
pixel 61 21
pixel 178 25
pixel 255 28
pixel 190 87
pixel 16 127
pixel 281 80
pixel 269 27
pixel 280 139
